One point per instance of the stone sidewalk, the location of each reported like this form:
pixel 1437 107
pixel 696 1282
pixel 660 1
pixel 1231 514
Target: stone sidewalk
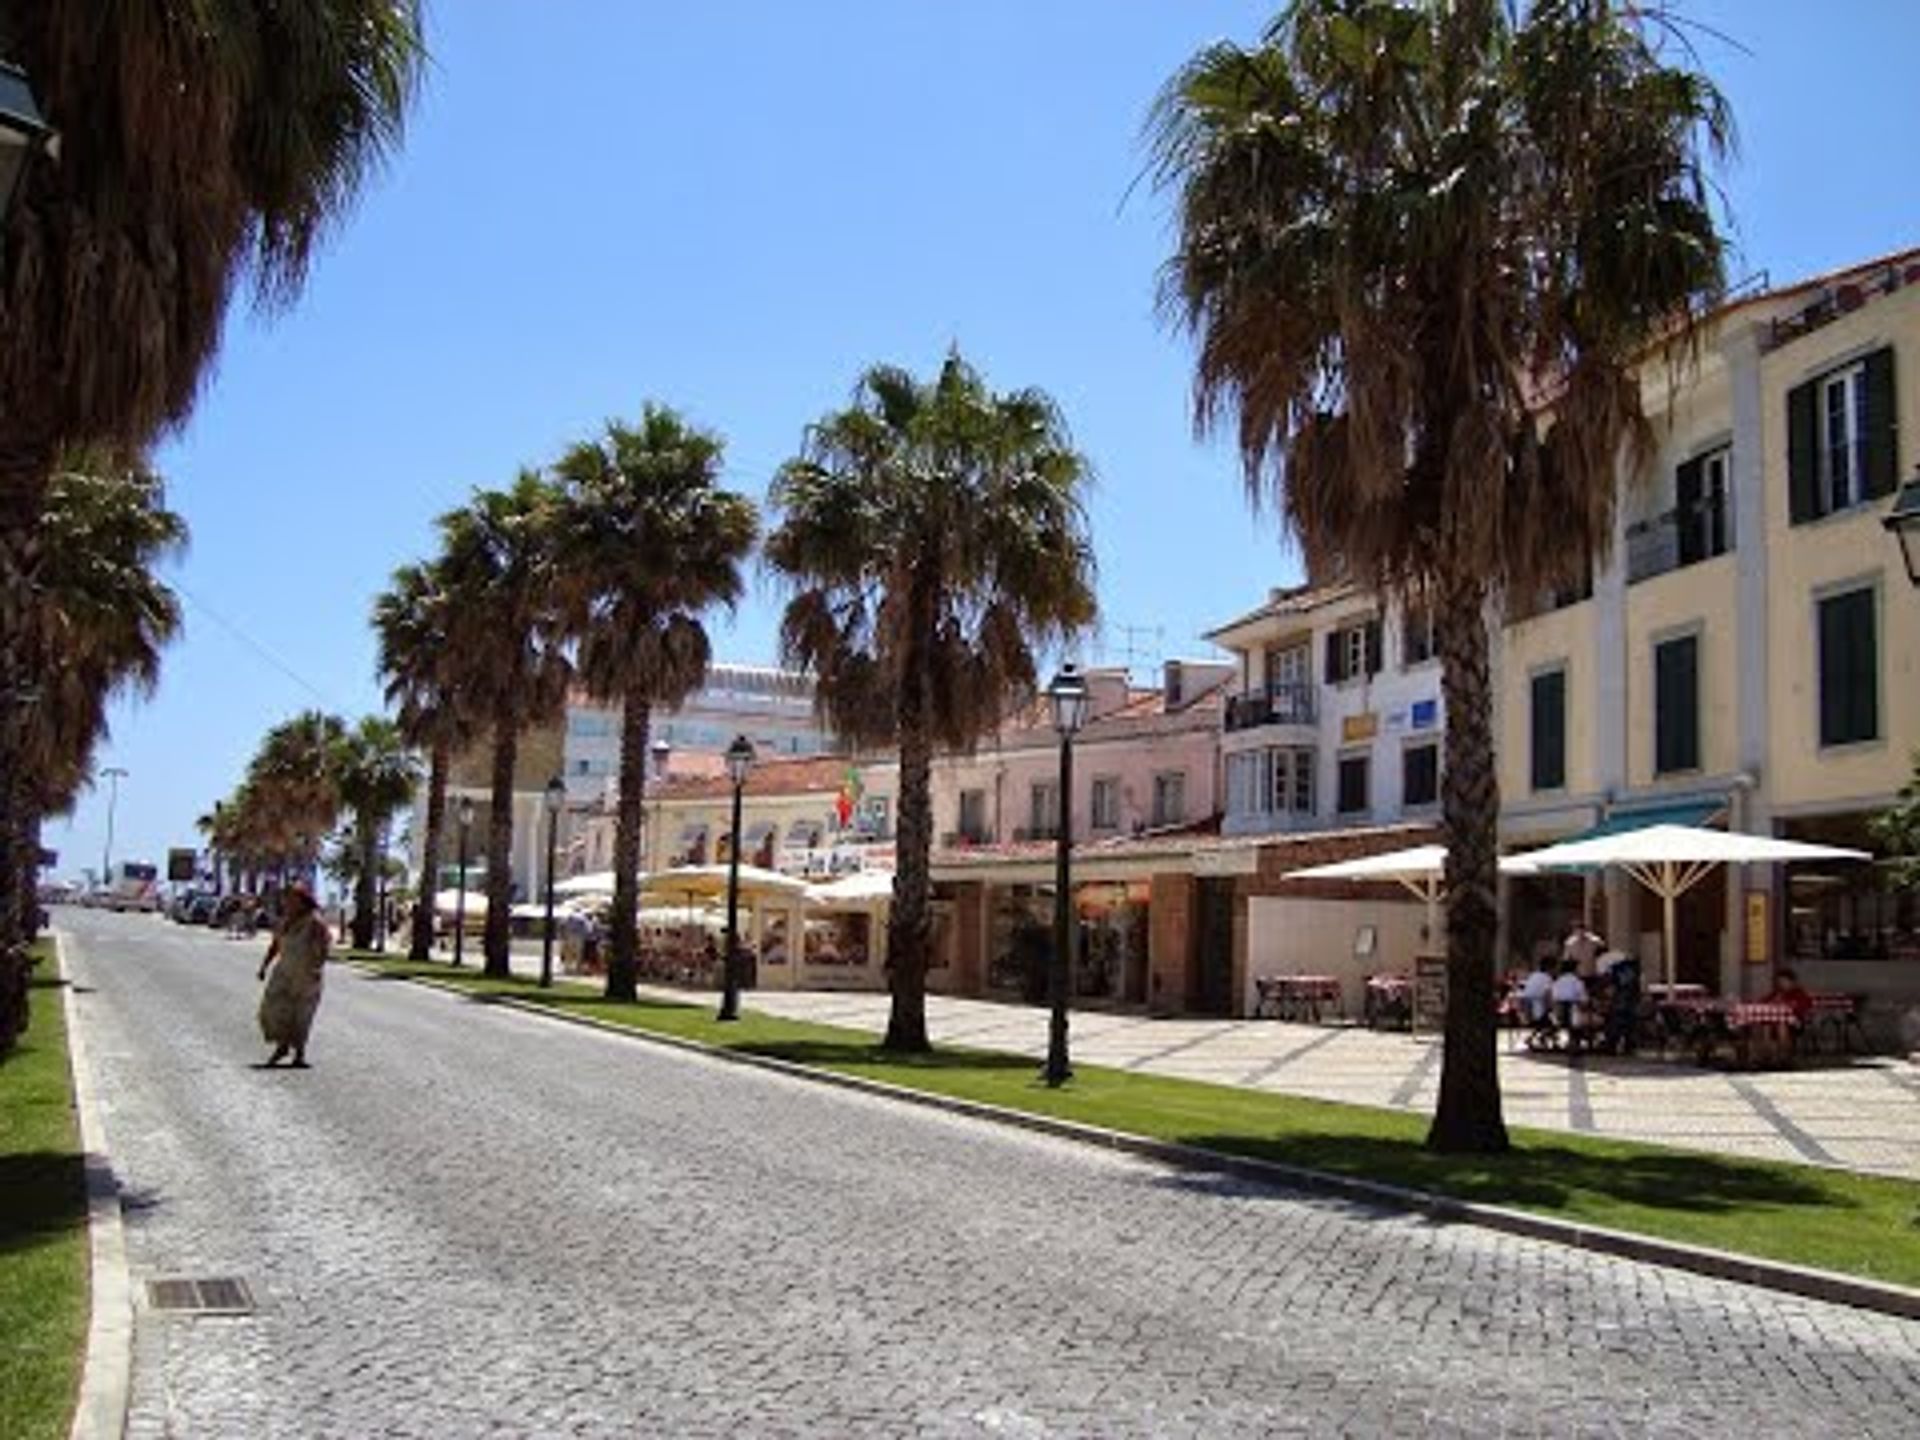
pixel 1862 1114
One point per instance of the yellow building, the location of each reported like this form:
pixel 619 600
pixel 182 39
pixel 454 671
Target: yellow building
pixel 1748 652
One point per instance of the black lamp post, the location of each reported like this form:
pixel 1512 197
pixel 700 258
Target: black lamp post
pixel 739 762
pixel 1068 692
pixel 1903 520
pixel 460 896
pixel 556 798
pixel 23 132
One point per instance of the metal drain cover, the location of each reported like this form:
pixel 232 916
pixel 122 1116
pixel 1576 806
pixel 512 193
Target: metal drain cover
pixel 220 1295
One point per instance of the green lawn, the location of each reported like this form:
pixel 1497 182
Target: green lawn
pixel 1861 1224
pixel 43 1227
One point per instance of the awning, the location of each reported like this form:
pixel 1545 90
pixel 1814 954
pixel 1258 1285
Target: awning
pixel 1691 813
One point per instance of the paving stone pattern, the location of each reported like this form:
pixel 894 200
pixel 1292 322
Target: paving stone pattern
pixel 466 1221
pixel 1860 1114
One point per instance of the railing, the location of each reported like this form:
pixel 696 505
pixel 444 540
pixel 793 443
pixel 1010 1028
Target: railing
pixel 1684 535
pixel 1026 833
pixel 960 839
pixel 1274 705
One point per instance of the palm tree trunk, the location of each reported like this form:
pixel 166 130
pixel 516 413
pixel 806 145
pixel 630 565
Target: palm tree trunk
pixel 910 926
pixel 25 465
pixel 1467 1119
pixel 623 965
pixel 366 888
pixel 421 946
pixel 499 931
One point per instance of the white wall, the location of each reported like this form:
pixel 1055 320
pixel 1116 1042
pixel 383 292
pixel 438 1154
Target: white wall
pixel 1316 937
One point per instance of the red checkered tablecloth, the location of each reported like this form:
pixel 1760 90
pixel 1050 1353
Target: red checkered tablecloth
pixel 1759 1012
pixel 1832 1002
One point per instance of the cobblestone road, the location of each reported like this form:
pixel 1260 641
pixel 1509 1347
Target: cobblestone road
pixel 464 1221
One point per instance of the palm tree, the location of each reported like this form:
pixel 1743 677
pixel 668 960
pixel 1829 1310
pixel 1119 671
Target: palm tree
pixel 200 145
pixel 412 621
pixel 376 774
pixel 295 777
pixel 646 540
pixel 933 534
pixel 1424 249
pixel 497 562
pixel 110 617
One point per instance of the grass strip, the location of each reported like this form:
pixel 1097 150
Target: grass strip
pixel 1866 1225
pixel 43 1225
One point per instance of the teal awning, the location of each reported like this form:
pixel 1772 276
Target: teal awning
pixel 1681 812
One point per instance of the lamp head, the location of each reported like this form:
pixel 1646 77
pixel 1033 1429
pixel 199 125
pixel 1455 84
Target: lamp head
pixel 739 759
pixel 1904 521
pixel 1068 692
pixel 466 811
pixel 556 792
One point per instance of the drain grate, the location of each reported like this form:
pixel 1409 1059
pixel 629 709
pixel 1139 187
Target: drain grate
pixel 220 1295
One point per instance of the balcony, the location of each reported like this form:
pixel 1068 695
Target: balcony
pixel 1679 537
pixel 1274 705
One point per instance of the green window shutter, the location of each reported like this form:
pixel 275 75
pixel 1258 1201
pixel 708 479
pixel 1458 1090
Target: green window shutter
pixel 1687 516
pixel 1373 647
pixel 1803 456
pixel 1882 425
pixel 1676 705
pixel 1849 662
pixel 1334 677
pixel 1549 767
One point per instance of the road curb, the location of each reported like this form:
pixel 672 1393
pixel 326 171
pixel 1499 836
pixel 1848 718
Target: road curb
pixel 106 1376
pixel 1824 1285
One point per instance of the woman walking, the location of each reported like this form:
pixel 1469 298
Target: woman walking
pixel 293 994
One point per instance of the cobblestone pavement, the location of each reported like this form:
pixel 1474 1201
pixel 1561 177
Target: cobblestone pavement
pixel 468 1221
pixel 1863 1114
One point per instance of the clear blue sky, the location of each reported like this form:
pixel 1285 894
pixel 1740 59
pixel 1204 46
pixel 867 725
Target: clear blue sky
pixel 732 209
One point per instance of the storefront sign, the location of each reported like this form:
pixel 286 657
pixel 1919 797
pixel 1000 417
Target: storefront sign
pixel 1426 714
pixel 1429 992
pixel 1363 726
pixel 1243 861
pixel 1759 932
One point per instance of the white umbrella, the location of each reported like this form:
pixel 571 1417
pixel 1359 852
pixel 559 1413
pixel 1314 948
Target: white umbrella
pixel 863 887
pixel 599 882
pixel 1421 870
pixel 707 881
pixel 1671 859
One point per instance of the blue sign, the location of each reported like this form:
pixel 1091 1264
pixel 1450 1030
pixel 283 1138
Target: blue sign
pixel 1426 714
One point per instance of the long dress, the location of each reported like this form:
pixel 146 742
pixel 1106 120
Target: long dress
pixel 293 986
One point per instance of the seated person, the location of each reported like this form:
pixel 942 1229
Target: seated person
pixel 1536 992
pixel 1569 995
pixel 1788 991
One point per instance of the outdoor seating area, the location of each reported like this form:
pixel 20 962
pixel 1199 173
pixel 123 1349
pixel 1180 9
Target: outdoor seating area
pixel 1299 997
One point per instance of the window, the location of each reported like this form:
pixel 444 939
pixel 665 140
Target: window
pixel 1416 644
pixel 1676 705
pixel 1043 814
pixel 1841 446
pixel 1170 797
pixel 1849 669
pixel 1353 784
pixel 1106 803
pixel 1270 782
pixel 1353 651
pixel 1700 507
pixel 1419 775
pixel 1549 726
pixel 973 816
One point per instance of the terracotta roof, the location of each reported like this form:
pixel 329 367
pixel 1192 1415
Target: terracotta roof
pixel 1299 600
pixel 814 775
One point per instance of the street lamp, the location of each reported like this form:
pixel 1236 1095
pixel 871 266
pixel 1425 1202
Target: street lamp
pixel 113 775
pixel 1903 520
pixel 23 132
pixel 1069 696
pixel 739 762
pixel 556 798
pixel 661 750
pixel 460 898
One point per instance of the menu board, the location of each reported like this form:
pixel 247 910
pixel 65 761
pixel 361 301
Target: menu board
pixel 1429 992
